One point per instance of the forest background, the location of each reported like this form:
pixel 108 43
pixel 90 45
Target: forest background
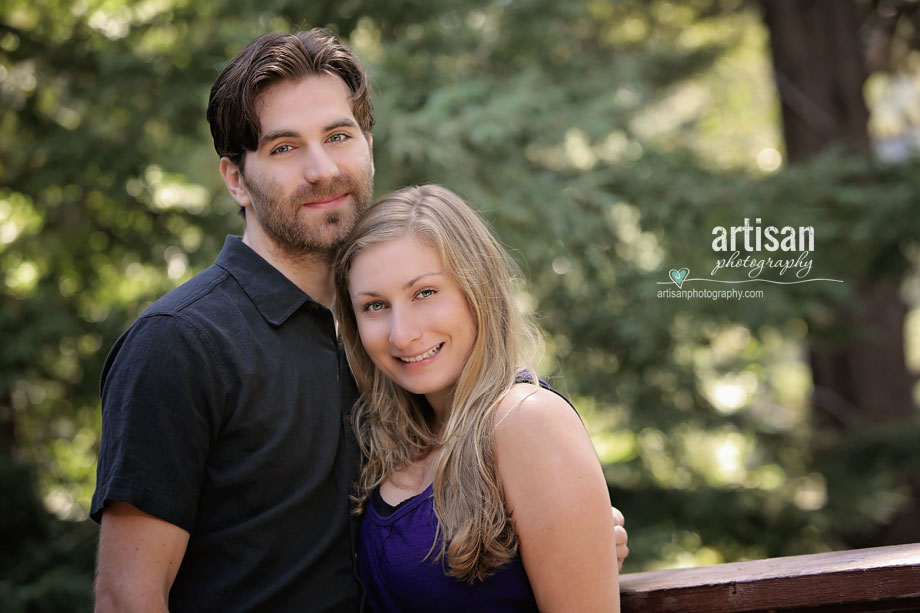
pixel 604 141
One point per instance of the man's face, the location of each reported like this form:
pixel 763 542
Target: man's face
pixel 313 171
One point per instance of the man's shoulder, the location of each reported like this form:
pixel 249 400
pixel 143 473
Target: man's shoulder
pixel 200 311
pixel 192 319
pixel 192 295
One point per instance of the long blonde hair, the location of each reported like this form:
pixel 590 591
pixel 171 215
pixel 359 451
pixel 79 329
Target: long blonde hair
pixel 394 427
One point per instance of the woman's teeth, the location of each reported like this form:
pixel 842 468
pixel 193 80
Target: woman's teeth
pixel 427 354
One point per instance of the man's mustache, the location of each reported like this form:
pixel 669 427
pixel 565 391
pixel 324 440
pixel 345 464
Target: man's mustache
pixel 312 193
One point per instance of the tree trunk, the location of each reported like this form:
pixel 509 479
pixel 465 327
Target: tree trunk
pixel 819 73
pixel 861 380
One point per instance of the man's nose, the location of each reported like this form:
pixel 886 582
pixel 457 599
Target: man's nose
pixel 319 165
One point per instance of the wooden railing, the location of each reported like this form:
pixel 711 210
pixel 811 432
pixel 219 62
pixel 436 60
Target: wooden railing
pixel 876 579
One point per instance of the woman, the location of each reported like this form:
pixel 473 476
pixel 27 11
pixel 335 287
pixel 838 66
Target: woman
pixel 481 490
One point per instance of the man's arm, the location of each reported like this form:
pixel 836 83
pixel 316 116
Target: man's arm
pixel 139 556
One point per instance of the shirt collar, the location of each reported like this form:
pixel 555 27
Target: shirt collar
pixel 276 297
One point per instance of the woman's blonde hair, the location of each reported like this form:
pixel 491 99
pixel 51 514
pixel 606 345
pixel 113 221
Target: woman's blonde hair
pixel 395 427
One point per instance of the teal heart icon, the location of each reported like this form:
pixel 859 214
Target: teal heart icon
pixel 678 276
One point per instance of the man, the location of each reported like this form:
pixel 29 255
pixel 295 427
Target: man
pixel 226 463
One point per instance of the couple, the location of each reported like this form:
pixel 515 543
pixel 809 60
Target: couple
pixel 233 431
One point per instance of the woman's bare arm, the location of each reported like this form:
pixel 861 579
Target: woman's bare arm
pixel 559 502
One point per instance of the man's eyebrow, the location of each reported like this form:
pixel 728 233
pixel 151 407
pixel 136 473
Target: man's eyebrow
pixel 270 136
pixel 345 122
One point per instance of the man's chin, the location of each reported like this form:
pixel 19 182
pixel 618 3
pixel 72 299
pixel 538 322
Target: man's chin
pixel 325 243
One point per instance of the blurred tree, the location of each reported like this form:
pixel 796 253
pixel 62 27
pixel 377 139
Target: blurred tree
pixel 861 378
pixel 47 563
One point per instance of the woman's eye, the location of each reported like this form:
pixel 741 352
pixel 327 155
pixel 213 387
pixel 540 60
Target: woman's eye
pixel 373 306
pixel 426 293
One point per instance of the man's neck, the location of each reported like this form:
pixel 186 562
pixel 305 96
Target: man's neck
pixel 310 272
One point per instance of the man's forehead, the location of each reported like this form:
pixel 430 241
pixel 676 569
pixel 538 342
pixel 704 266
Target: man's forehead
pixel 314 92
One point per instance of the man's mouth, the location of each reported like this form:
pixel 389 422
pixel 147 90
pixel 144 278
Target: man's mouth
pixel 423 356
pixel 327 202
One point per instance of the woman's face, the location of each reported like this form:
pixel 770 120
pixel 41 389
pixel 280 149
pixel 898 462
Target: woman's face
pixel 413 318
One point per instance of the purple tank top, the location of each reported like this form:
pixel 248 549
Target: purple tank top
pixel 398 578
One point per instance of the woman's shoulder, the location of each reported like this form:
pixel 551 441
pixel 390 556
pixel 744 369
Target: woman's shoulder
pixel 545 458
pixel 529 409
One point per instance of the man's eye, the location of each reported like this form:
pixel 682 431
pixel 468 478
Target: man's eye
pixel 338 137
pixel 281 149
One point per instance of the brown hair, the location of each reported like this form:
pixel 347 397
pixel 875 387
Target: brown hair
pixel 270 59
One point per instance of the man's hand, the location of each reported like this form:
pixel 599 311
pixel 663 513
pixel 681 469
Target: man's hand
pixel 622 538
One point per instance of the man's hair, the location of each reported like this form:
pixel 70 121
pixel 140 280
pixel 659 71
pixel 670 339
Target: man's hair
pixel 394 427
pixel 274 58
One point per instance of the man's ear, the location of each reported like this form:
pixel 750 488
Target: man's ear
pixel 233 178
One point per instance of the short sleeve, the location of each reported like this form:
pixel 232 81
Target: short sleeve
pixel 162 390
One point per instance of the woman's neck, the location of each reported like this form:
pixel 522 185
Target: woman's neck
pixel 441 404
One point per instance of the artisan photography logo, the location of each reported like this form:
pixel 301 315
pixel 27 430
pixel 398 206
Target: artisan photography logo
pixel 772 255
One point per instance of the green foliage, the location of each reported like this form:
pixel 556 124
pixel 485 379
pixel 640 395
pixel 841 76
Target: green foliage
pixel 602 140
pixel 48 563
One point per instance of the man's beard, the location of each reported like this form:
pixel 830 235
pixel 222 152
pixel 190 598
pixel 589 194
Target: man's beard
pixel 319 233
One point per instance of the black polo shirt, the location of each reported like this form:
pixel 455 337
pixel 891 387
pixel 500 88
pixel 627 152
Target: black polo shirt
pixel 222 413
